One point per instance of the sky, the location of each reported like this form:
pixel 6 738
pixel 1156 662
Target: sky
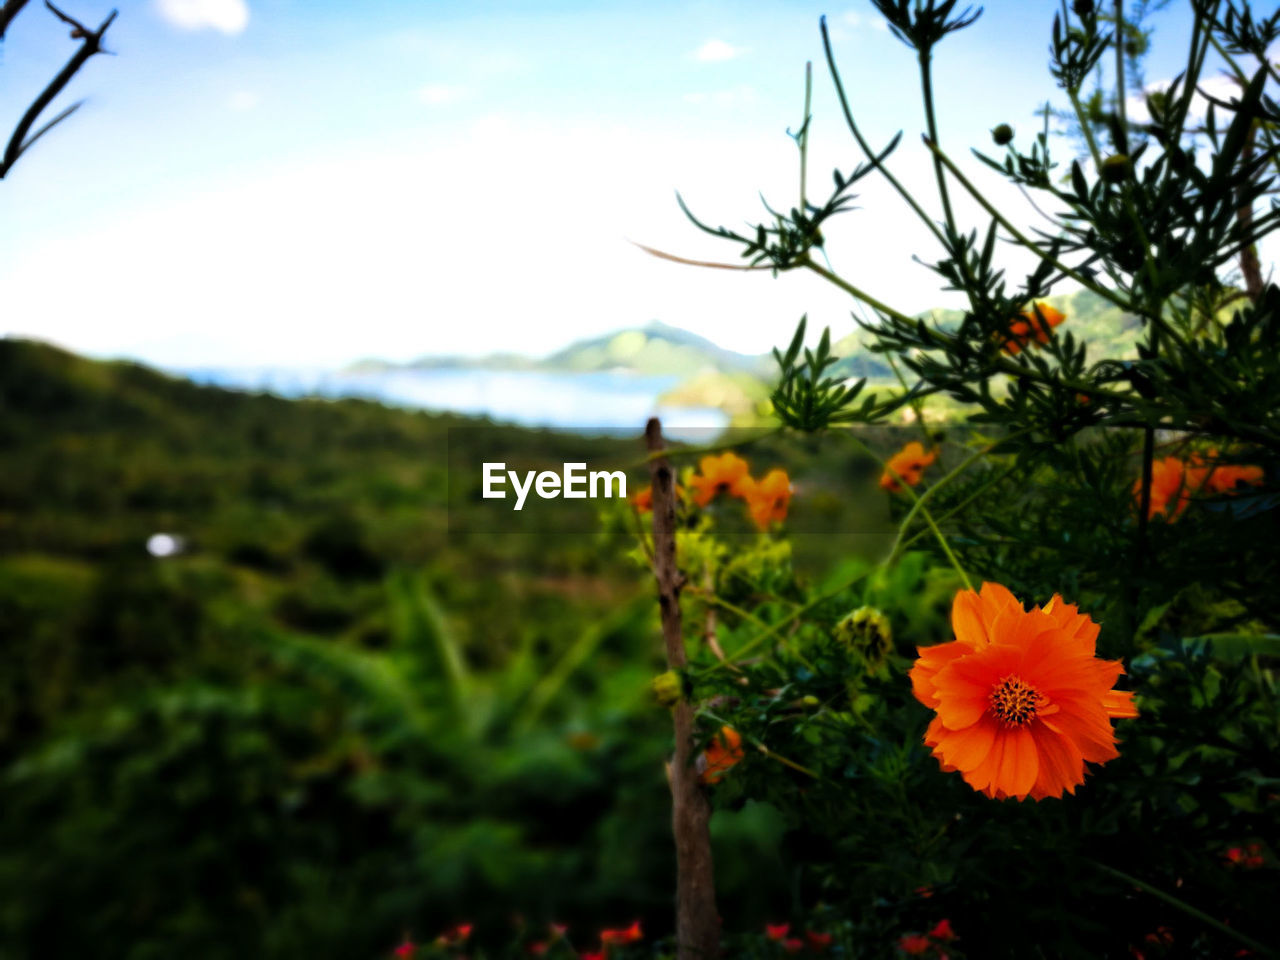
pixel 313 182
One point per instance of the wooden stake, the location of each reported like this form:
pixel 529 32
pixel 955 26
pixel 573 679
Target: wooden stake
pixel 697 920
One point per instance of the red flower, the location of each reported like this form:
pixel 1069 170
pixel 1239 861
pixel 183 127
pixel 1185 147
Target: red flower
pixel 818 941
pixel 915 944
pixel 626 935
pixel 943 930
pixel 777 931
pixel 405 949
pixel 538 949
pixel 591 955
pixel 1162 935
pixel 1249 857
pixel 793 945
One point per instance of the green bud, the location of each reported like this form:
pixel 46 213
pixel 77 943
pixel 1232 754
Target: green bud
pixel 810 701
pixel 1002 135
pixel 668 688
pixel 1116 169
pixel 868 633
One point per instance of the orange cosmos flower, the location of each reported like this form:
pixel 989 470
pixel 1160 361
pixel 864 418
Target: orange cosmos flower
pixel 1227 477
pixel 1172 482
pixel 723 474
pixel 1021 700
pixel 908 463
pixel 768 499
pixel 724 751
pixel 1036 324
pixel 642 502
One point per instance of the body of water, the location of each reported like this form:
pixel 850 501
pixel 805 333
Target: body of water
pixel 610 401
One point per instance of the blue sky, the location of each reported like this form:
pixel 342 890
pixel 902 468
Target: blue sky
pixel 307 183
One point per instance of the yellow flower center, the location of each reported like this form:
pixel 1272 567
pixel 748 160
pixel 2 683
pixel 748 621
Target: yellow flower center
pixel 1015 701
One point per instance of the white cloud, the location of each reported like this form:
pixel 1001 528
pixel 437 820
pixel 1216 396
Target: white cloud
pixel 242 100
pixel 717 51
pixel 1221 87
pixel 226 16
pixel 434 94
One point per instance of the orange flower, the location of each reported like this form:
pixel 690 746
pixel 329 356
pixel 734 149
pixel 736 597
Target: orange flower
pixel 723 474
pixel 1021 700
pixel 908 463
pixel 1037 324
pixel 1172 482
pixel 722 753
pixel 1228 477
pixel 624 935
pixel 768 499
pixel 642 502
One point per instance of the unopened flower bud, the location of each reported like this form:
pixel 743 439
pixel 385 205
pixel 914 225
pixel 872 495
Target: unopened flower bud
pixel 1116 169
pixel 667 688
pixel 867 632
pixel 1002 135
pixel 1082 7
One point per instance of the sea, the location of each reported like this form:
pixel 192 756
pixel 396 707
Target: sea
pixel 607 402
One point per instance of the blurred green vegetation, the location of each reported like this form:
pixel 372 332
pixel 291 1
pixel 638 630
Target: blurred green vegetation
pixel 323 722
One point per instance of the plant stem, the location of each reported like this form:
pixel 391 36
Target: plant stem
pixel 1017 235
pixel 804 132
pixel 918 505
pixel 1186 908
pixel 926 86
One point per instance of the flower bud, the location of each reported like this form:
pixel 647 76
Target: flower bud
pixel 1002 135
pixel 668 688
pixel 1116 169
pixel 867 633
pixel 1082 8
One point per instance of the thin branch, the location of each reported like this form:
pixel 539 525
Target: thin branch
pixel 91 43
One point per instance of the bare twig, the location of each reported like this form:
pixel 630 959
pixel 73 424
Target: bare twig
pixel 10 10
pixel 697 921
pixel 90 43
pixel 696 263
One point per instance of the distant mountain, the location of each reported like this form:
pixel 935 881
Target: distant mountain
pixel 708 369
pixel 655 349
